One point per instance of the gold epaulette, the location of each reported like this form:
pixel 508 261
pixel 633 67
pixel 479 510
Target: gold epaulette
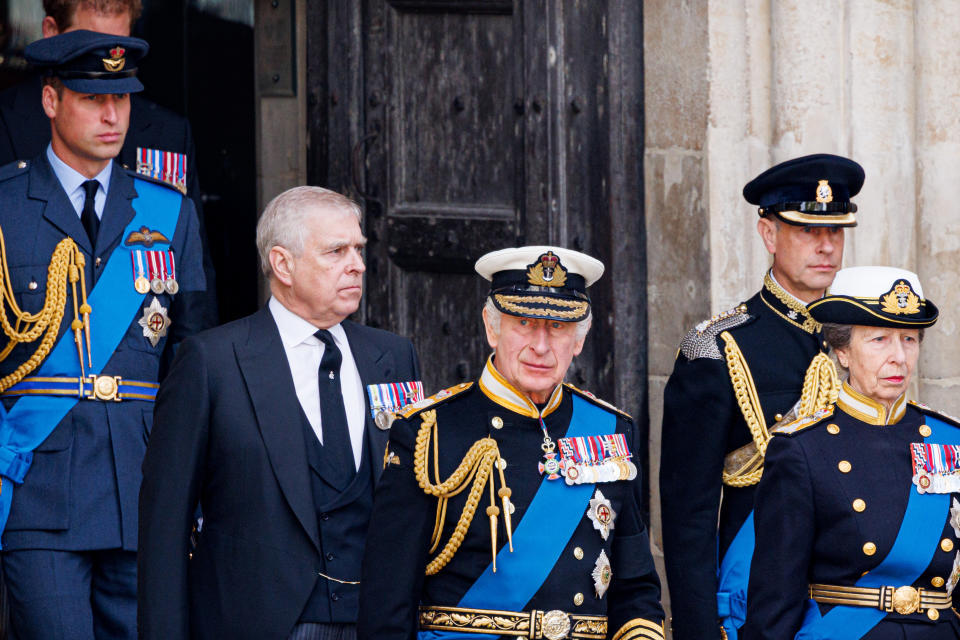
pixel 439 396
pixel 805 422
pixel 594 399
pixel 946 417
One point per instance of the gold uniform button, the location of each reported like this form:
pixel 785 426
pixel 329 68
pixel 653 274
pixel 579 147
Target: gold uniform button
pixel 937 581
pixel 925 430
pixel 578 599
pixel 778 417
pixel 859 505
pixel 933 614
pixel 844 466
pixel 869 549
pixel 946 544
pixel 578 553
pixel 832 428
pixel 497 422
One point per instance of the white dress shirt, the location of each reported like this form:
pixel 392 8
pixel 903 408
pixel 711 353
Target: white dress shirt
pixel 72 182
pixel 304 351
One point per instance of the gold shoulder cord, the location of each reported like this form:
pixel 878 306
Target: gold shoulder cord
pixel 821 387
pixel 66 264
pixel 476 467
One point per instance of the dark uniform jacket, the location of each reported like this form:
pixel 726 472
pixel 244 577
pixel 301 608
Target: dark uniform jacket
pixel 703 422
pixel 230 436
pixel 393 584
pixel 829 507
pixel 81 490
pixel 25 134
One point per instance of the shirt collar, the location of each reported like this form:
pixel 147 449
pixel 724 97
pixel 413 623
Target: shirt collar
pixel 294 330
pixel 868 410
pixel 496 387
pixel 71 179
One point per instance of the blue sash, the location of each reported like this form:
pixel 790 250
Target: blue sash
pixel 734 578
pixel 114 302
pixel 911 553
pixel 521 574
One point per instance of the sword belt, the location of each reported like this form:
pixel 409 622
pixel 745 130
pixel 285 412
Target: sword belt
pixel 548 625
pixel 93 387
pixel 903 600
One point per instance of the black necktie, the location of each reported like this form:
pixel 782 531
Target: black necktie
pixel 91 223
pixel 333 415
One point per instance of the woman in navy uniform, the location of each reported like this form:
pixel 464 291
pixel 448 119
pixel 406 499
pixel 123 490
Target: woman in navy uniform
pixel 857 517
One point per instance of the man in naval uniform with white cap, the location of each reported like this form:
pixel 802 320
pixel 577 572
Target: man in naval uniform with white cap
pixel 514 499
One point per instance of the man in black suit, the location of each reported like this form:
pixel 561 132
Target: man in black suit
pixel 159 142
pixel 266 424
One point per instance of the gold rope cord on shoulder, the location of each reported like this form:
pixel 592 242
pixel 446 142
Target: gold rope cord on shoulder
pixel 66 265
pixel 745 392
pixel 475 471
pixel 821 386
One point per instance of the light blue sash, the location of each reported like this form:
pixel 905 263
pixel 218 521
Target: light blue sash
pixel 911 553
pixel 521 574
pixel 114 302
pixel 734 578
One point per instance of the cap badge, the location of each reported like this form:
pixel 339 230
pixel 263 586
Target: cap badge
pixel 900 300
pixel 824 192
pixel 547 271
pixel 116 60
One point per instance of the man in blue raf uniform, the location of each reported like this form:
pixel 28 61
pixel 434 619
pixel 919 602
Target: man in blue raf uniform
pixel 159 142
pixel 98 259
pixel 513 501
pixel 736 375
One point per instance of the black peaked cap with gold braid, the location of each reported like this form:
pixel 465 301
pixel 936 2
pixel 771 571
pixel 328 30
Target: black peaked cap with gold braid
pixel 810 191
pixel 875 297
pixel 543 282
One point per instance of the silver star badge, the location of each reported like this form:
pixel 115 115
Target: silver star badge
pixel 954 574
pixel 601 513
pixel 602 574
pixel 955 517
pixel 155 322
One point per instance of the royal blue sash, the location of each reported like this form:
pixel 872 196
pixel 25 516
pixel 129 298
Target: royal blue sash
pixel 734 578
pixel 114 302
pixel 910 555
pixel 521 574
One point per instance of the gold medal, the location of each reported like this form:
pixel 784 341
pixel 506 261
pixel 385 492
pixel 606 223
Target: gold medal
pixel 142 285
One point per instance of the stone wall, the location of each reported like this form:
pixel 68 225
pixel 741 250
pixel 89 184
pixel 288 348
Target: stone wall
pixel 734 86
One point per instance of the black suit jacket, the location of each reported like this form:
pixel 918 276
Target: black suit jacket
pixel 229 436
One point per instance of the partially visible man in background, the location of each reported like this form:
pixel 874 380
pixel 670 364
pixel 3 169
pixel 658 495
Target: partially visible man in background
pixel 158 144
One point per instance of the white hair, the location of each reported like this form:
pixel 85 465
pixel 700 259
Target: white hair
pixel 283 219
pixel 494 315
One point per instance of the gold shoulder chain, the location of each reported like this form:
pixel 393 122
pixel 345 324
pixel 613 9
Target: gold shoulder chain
pixel 821 386
pixel 477 468
pixel 809 324
pixel 745 392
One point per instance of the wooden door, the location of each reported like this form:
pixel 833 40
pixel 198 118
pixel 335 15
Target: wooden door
pixel 465 126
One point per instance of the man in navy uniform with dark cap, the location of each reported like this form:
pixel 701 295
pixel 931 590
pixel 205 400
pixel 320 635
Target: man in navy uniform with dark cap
pixel 736 376
pixel 159 142
pixel 509 507
pixel 98 260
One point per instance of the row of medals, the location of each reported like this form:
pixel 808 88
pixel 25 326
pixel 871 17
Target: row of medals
pixel 610 470
pixel 156 285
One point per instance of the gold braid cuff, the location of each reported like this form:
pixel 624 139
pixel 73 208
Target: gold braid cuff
pixel 639 628
pixel 475 470
pixel 821 386
pixel 66 265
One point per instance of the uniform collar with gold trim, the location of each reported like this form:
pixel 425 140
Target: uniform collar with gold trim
pixel 496 387
pixel 865 409
pixel 787 306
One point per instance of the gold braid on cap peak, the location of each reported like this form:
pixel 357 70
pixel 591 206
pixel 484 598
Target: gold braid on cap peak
pixel 477 466
pixel 66 265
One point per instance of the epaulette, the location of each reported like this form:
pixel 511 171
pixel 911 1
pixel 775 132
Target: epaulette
pixel 930 411
pixel 597 401
pixel 13 169
pixel 435 399
pixel 141 176
pixel 701 341
pixel 801 424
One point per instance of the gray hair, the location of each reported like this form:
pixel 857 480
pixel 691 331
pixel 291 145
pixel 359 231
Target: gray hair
pixel 281 224
pixel 838 337
pixel 494 314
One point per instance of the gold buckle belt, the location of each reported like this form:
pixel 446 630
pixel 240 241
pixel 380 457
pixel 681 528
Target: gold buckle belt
pixel 93 387
pixel 902 600
pixel 548 625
